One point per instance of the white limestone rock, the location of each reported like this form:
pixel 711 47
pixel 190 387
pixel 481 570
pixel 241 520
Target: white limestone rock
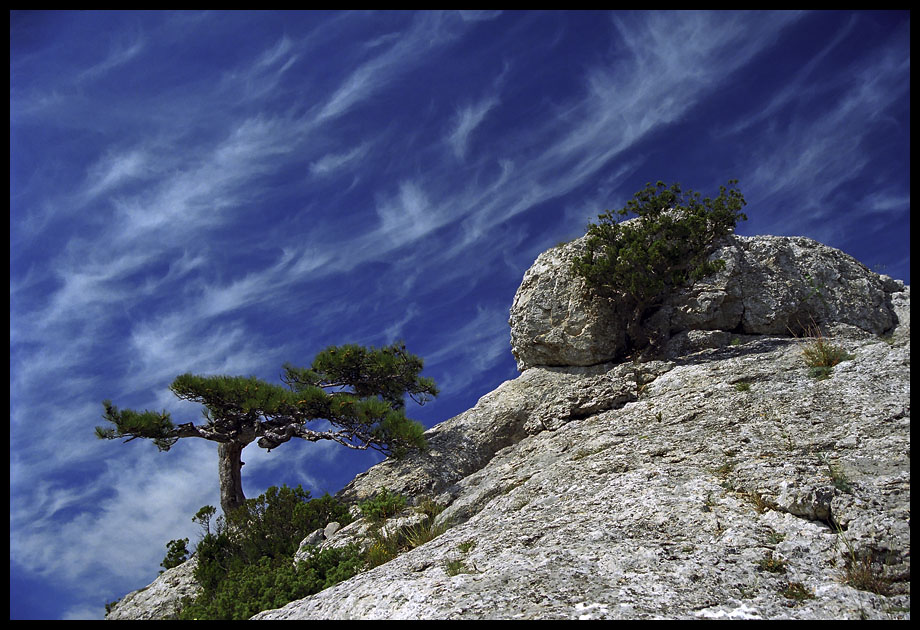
pixel 696 499
pixel 721 481
pixel 770 285
pixel 161 598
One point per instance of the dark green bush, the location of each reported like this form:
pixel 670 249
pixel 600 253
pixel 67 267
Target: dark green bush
pixel 176 553
pixel 666 246
pixel 272 583
pixel 246 564
pixel 383 505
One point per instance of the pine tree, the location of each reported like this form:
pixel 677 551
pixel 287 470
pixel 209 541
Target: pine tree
pixel 666 245
pixel 359 390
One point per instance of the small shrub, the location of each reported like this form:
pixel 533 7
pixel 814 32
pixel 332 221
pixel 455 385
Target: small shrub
pixel 385 548
pixel 760 504
pixel 860 572
pixel 742 386
pixel 413 536
pixel 774 538
pixel 204 517
pixel 466 546
pixel 667 245
pixel 382 550
pixel 456 567
pixel 862 575
pixel 382 506
pixel 176 553
pixel 797 591
pixel 429 506
pixel 838 477
pixel 725 469
pixel 772 564
pixel 821 357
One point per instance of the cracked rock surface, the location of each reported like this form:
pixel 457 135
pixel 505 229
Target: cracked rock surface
pixel 770 285
pixel 720 481
pixel 161 598
pixel 732 484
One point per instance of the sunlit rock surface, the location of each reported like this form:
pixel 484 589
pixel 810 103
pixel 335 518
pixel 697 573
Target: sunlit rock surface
pixel 723 481
pixel 719 481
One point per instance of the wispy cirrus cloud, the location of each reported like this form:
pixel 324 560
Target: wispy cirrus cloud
pixel 809 161
pixel 467 120
pixel 259 79
pixel 114 170
pixel 121 53
pixel 332 162
pixel 427 32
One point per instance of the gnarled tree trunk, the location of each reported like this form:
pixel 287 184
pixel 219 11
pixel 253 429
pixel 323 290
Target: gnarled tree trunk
pixel 231 484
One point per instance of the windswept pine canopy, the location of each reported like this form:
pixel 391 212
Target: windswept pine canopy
pixel 358 391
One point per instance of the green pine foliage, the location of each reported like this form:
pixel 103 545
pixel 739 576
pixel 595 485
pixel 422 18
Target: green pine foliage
pixel 359 389
pixel 176 553
pixel 224 396
pixel 355 394
pixel 156 426
pixel 666 245
pixel 390 372
pixel 246 564
pixel 382 506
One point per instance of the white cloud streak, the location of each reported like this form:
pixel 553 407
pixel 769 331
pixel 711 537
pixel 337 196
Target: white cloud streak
pixel 466 122
pixel 428 31
pixel 120 54
pixel 334 162
pixel 809 160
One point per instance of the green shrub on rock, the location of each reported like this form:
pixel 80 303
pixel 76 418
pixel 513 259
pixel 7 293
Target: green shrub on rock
pixel 176 554
pixel 246 564
pixel 272 583
pixel 382 506
pixel 666 245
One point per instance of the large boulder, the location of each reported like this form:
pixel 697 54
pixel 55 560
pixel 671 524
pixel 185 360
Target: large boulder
pixel 554 319
pixel 769 285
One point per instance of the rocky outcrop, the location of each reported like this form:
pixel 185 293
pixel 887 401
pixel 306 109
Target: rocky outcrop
pixel 769 286
pixel 537 400
pixel 159 600
pixel 721 481
pixel 735 486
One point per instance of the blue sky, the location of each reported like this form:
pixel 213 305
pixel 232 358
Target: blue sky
pixel 225 192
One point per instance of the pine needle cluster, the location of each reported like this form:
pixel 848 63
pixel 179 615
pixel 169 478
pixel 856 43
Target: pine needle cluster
pixel 666 244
